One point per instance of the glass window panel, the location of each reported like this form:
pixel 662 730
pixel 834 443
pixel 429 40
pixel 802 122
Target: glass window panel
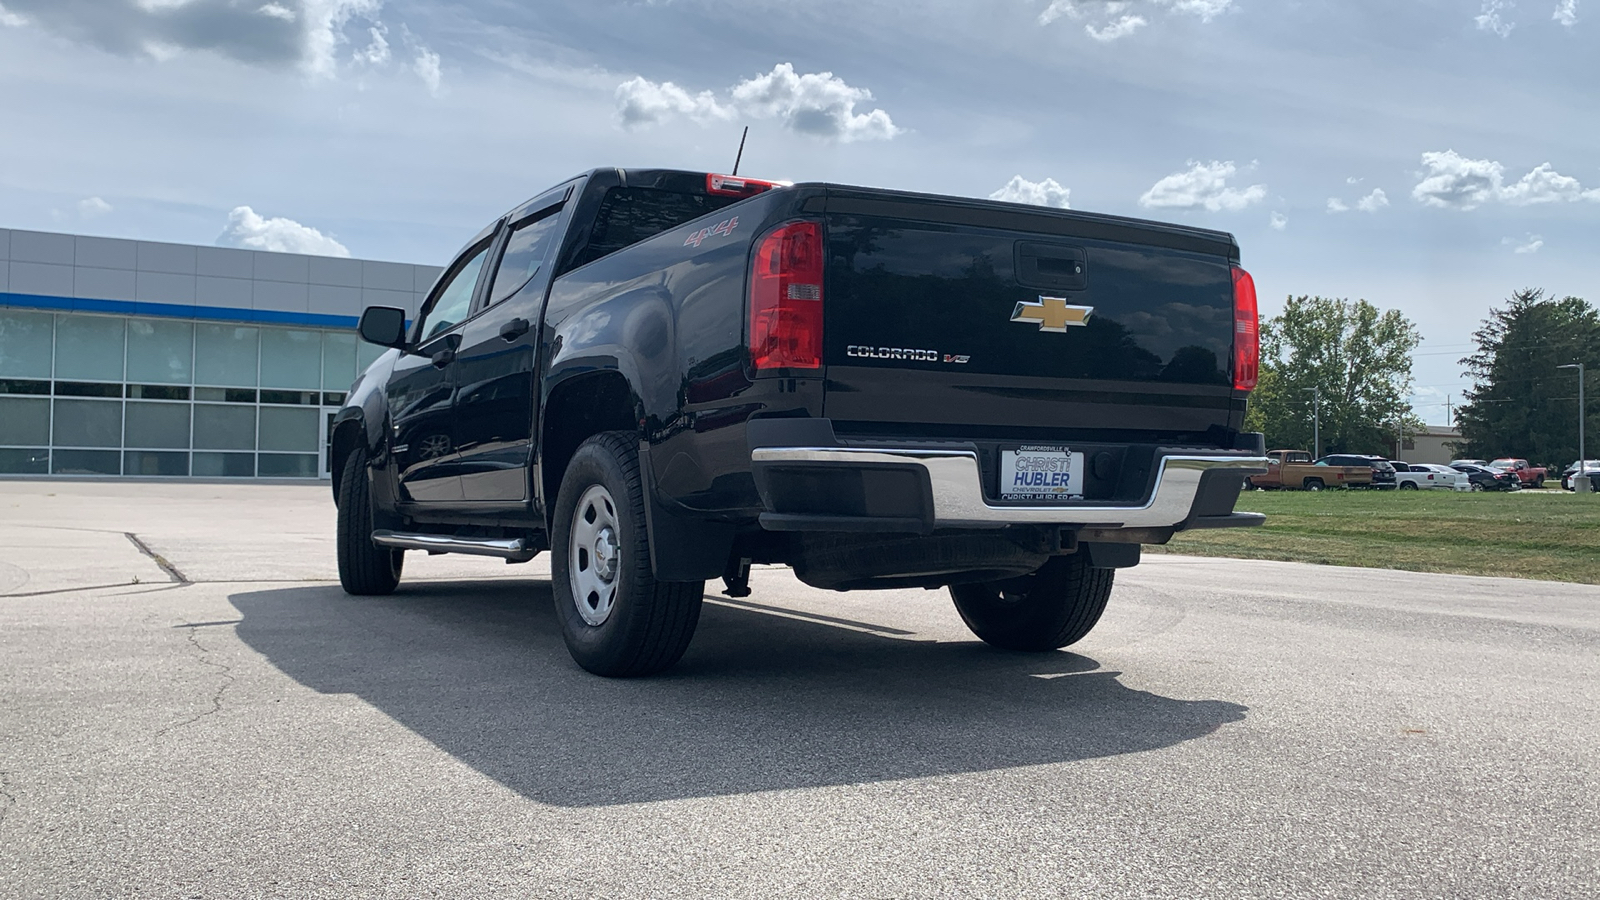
pixel 452 304
pixel 160 352
pixel 338 360
pixel 87 389
pixel 224 428
pixel 89 348
pixel 288 465
pixel 224 465
pixel 157 425
pixel 291 358
pixel 366 355
pixel 225 355
pixel 286 428
pixel 25 461
pixel 23 386
pixel 525 254
pixel 88 423
pixel 87 462
pixel 150 462
pixel 157 392
pixel 25 339
pixel 24 420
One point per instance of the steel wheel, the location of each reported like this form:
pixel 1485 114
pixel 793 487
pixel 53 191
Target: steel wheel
pixel 594 555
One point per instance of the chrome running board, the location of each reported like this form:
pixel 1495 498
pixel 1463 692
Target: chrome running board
pixel 508 549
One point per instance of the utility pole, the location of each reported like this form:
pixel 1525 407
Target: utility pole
pixel 1580 481
pixel 1316 421
pixel 1449 411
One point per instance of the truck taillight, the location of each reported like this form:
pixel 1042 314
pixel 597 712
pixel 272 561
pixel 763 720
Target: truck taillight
pixel 786 298
pixel 1246 332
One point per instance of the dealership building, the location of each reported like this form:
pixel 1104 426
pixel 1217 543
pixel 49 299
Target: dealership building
pixel 138 358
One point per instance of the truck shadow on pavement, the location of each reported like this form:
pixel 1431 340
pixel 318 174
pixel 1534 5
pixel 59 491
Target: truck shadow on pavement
pixel 760 702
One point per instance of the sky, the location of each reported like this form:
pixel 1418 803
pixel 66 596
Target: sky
pixel 1431 156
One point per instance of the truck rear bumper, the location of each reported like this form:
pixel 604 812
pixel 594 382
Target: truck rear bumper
pixel 916 490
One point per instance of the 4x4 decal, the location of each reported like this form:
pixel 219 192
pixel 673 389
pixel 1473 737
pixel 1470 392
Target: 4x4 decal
pixel 724 227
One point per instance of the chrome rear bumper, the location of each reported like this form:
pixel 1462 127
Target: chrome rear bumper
pixel 956 484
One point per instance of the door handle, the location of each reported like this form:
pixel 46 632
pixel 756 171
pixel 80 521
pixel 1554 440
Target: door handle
pixel 444 358
pixel 514 329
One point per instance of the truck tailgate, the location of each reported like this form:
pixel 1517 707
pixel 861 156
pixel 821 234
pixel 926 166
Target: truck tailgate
pixel 972 319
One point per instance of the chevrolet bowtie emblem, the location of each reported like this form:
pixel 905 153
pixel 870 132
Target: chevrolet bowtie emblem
pixel 1052 313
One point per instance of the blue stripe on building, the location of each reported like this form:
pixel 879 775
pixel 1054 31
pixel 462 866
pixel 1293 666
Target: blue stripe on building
pixel 175 310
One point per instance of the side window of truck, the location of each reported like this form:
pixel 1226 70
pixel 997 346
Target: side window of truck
pixel 527 251
pixel 454 300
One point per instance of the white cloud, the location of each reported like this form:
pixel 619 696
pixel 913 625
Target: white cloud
pixel 1354 180
pixel 1452 181
pixel 818 104
pixel 90 207
pixel 1373 202
pixel 1566 13
pixel 308 35
pixel 377 51
pixel 1542 185
pixel 1335 205
pixel 251 231
pixel 1203 185
pixel 1530 244
pixel 426 65
pixel 1120 28
pixel 1278 221
pixel 644 102
pixel 1111 20
pixel 1048 192
pixel 1489 19
pixel 277 11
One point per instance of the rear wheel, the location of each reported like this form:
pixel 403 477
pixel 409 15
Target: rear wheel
pixel 1052 608
pixel 1408 486
pixel 616 618
pixel 1314 484
pixel 364 567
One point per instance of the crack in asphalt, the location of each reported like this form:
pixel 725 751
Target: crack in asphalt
pixel 226 671
pixel 158 559
pixel 10 801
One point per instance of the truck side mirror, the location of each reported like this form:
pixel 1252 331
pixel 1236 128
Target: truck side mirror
pixel 383 325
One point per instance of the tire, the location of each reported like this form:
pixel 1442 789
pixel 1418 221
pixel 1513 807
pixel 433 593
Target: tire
pixel 627 624
pixel 1314 484
pixel 1477 486
pixel 1407 486
pixel 1050 609
pixel 365 569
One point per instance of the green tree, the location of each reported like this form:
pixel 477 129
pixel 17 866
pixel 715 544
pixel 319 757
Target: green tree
pixel 1521 404
pixel 1357 356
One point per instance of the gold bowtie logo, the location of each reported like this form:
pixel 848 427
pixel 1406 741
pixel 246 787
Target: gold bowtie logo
pixel 1052 313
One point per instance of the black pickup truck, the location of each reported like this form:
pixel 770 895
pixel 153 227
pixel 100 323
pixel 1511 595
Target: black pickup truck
pixel 664 377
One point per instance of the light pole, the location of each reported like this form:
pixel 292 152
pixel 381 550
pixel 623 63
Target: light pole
pixel 1316 421
pixel 1580 481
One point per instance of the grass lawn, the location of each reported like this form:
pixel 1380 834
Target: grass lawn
pixel 1547 534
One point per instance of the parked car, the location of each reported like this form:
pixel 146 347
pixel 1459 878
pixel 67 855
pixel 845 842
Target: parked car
pixel 1382 470
pixel 1417 476
pixel 1528 474
pixel 1448 477
pixel 662 377
pixel 1484 478
pixel 1591 468
pixel 1294 470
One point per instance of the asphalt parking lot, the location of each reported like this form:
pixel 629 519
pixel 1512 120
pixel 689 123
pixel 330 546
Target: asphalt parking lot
pixel 198 711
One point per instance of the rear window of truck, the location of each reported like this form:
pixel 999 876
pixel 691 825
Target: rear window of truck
pixel 629 215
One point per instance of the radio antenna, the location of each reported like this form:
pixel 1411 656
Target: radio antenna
pixel 740 157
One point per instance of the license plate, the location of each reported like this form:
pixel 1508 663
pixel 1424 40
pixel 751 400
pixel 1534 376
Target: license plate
pixel 1041 473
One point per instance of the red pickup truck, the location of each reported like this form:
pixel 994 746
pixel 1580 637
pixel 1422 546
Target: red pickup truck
pixel 1528 474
